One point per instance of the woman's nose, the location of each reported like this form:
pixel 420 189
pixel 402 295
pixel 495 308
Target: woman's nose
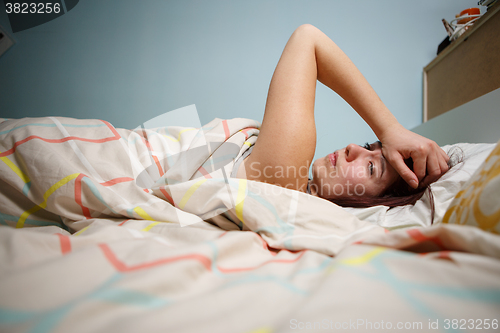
pixel 353 151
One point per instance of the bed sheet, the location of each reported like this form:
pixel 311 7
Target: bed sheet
pixel 86 246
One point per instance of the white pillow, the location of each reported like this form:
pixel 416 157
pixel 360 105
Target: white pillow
pixel 444 190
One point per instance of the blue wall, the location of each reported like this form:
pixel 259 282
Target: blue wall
pixel 128 61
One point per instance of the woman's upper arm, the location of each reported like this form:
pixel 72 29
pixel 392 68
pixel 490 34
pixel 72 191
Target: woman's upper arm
pixel 287 139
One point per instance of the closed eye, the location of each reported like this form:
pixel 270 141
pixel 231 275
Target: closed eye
pixel 370 168
pixel 367 146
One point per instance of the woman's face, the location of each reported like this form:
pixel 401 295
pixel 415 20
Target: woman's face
pixel 353 171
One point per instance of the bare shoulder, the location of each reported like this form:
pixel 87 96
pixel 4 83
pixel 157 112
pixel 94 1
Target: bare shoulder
pixel 289 175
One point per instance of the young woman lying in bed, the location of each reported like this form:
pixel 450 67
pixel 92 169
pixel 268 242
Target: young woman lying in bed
pixel 392 171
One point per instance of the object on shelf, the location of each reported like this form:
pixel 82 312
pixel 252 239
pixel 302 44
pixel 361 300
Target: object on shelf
pixel 443 44
pixel 448 27
pixel 463 21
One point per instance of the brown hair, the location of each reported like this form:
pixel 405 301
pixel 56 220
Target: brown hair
pixel 390 200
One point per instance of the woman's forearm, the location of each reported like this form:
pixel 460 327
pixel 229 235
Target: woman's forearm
pixel 337 71
pixel 287 136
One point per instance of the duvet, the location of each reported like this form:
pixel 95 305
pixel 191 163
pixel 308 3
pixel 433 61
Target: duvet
pixel 112 230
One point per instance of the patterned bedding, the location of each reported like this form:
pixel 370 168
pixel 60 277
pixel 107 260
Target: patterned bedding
pixel 111 230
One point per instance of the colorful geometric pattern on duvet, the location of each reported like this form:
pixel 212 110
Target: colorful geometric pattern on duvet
pixel 114 276
pixel 105 253
pixel 87 160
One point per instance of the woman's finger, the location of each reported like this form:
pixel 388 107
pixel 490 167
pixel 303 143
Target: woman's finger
pixel 444 156
pixel 443 162
pixel 419 165
pixel 433 170
pixel 402 169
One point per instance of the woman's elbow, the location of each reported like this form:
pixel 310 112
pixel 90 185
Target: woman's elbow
pixel 307 29
pixel 307 33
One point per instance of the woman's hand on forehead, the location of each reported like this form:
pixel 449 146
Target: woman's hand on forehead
pixel 429 160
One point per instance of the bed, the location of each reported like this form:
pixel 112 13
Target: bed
pixel 111 230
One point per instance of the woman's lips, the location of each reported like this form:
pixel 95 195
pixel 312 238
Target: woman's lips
pixel 333 159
